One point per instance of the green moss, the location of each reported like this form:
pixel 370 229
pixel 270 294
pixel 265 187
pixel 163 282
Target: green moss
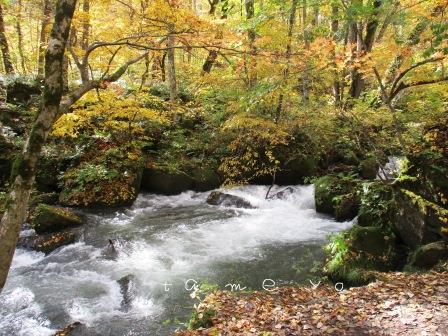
pixel 201 319
pixel 337 196
pixel 377 205
pixel 354 254
pixel 47 218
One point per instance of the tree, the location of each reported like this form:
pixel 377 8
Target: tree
pixel 54 104
pixel 46 18
pixel 25 165
pixel 5 46
pixel 20 35
pixel 364 45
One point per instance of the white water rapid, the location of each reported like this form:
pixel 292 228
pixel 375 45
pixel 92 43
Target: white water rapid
pixel 161 241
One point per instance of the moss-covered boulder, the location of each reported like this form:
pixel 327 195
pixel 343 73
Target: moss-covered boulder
pixel 354 254
pixel 296 170
pixel 368 168
pixel 206 178
pixel 377 206
pixel 418 221
pixel 429 255
pixel 110 177
pixel 47 218
pixel 337 196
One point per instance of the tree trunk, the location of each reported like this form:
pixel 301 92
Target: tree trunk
pixel 291 24
pixel 145 73
pixel 171 68
pixel 251 35
pixel 20 36
pixel 9 69
pixel 334 31
pixel 85 25
pixel 305 76
pixel 365 45
pixel 25 166
pixel 65 87
pixel 43 37
pixel 213 6
pixel 213 54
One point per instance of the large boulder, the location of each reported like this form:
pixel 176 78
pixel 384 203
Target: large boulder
pixel 104 178
pixel 416 224
pixel 354 254
pixel 377 205
pixel 337 196
pixel 47 218
pixel 48 242
pixel 368 168
pixel 220 198
pixel 163 182
pixel 430 255
pixel 295 171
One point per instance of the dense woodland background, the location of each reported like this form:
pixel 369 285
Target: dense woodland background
pixel 167 96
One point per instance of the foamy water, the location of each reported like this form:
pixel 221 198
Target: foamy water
pixel 159 240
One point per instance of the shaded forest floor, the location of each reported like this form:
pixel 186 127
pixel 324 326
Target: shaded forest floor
pixel 396 304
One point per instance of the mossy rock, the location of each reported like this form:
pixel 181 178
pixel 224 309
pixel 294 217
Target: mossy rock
pixel 295 171
pixel 371 240
pixel 47 218
pixel 337 196
pixel 108 178
pixel 429 255
pixel 356 254
pixel 164 182
pixel 346 207
pixel 206 178
pixel 368 168
pixel 377 206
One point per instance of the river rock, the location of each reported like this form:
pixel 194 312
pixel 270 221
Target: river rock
pixel 285 193
pixel 47 218
pixel 220 198
pixel 48 242
pixel 127 289
pixel 429 255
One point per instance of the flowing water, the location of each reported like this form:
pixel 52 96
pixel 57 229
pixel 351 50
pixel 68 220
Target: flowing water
pixel 162 241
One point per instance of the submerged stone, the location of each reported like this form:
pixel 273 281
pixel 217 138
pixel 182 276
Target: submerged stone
pixel 127 289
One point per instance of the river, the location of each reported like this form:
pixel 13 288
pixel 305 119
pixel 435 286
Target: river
pixel 162 241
